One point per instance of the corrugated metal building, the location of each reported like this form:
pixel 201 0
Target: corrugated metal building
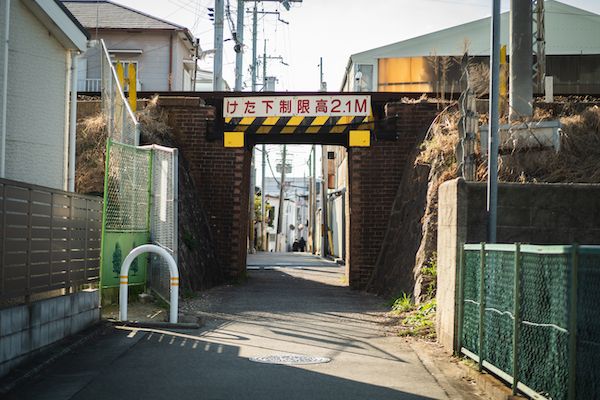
pixel 572 56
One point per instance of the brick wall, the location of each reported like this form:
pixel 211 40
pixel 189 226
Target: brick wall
pixel 375 174
pixel 221 176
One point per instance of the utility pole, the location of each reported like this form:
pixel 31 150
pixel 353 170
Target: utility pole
pixel 281 199
pixel 218 65
pixel 254 33
pixel 521 60
pixel 262 201
pixel 492 183
pixel 314 200
pixel 324 186
pixel 239 46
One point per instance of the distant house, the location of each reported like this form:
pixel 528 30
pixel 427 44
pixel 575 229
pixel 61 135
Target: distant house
pixel 571 47
pixel 163 53
pixel 43 40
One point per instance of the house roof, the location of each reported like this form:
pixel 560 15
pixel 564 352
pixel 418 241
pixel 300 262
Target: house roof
pixel 60 22
pixel 105 14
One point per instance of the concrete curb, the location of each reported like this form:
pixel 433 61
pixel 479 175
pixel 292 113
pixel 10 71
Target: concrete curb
pixel 492 386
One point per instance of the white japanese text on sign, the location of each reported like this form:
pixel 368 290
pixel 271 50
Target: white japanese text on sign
pixel 298 106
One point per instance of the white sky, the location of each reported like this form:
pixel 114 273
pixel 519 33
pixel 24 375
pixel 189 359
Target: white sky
pixel 331 29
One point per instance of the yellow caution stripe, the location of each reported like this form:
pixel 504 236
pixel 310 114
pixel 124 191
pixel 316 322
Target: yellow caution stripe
pixel 296 125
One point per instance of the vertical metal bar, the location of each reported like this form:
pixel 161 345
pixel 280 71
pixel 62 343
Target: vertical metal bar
pixel 175 159
pixel 481 306
pixel 517 317
pixel 150 222
pixel 69 283
pixel 104 208
pixel 461 299
pixel 573 333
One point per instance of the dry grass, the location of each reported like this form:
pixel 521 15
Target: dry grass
pixel 91 144
pixel 577 162
pixel 90 155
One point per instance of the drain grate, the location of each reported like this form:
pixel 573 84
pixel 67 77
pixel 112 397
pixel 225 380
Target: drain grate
pixel 290 359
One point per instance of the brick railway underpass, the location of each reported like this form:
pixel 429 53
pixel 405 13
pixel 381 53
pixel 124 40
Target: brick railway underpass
pixel 217 131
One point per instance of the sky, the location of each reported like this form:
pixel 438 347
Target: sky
pixel 331 30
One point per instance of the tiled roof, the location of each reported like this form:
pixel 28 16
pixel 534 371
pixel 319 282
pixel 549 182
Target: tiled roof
pixel 108 15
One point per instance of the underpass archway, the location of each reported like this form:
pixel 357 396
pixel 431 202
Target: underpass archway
pixel 222 172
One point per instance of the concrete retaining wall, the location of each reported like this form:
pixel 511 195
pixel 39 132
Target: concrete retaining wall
pixel 527 213
pixel 27 329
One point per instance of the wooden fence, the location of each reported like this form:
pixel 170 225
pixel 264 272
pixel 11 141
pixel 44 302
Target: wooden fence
pixel 49 239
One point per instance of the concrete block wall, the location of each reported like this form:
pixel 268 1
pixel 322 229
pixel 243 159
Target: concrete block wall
pixel 527 213
pixel 27 329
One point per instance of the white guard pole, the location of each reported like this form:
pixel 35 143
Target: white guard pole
pixel 149 248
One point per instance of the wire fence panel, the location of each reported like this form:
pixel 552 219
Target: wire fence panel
pixel 556 340
pixel 588 323
pixel 127 188
pixel 123 127
pixel 164 213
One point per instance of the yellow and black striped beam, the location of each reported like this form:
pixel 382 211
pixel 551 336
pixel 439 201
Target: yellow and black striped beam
pixel 297 125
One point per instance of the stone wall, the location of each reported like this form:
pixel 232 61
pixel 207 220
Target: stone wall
pixel 388 198
pixel 26 329
pixel 527 213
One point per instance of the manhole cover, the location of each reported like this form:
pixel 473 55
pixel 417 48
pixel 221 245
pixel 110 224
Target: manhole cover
pixel 294 359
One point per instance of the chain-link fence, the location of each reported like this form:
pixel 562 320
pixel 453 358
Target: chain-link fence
pixel 140 191
pixel 540 330
pixel 163 224
pixel 123 127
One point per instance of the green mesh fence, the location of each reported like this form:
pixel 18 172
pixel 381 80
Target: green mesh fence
pixel 557 339
pixel 127 188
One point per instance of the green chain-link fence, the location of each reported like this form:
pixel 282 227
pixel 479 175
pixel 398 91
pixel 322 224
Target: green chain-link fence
pixel 542 328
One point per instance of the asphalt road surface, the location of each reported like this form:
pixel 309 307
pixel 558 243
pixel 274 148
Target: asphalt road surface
pixel 294 307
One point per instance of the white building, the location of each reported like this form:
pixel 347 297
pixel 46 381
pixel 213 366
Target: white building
pixel 43 39
pixel 163 53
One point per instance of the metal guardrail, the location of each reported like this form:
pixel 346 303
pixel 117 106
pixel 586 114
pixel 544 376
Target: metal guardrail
pixel 50 239
pixel 529 315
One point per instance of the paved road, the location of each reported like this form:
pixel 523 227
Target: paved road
pixel 295 304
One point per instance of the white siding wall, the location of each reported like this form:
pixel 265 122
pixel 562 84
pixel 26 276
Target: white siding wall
pixel 153 62
pixel 37 101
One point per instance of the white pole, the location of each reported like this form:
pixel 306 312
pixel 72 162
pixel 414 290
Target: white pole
pixel 218 66
pixel 149 248
pixel 5 92
pixel 73 121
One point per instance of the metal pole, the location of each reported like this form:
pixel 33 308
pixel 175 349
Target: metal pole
pixel 517 318
pixel 218 65
pixel 492 184
pixel 239 57
pixel 262 201
pixel 324 186
pixel 281 199
pixel 265 68
pixel 481 305
pixel 573 327
pixel 254 33
pixel 314 199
